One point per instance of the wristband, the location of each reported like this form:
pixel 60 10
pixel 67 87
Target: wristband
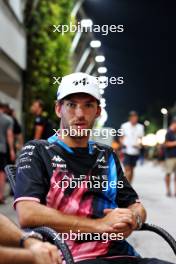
pixel 139 222
pixel 31 234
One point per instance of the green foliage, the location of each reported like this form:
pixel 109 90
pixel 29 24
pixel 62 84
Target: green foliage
pixel 48 52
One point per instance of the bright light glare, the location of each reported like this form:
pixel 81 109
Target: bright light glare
pixel 100 58
pixel 95 44
pixel 160 136
pixel 86 23
pixel 102 69
pixel 149 140
pixel 164 111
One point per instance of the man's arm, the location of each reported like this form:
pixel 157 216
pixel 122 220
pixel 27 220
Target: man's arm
pixel 35 252
pixel 170 144
pixel 138 209
pixel 38 131
pixel 10 142
pixel 10 233
pixel 16 256
pixel 35 214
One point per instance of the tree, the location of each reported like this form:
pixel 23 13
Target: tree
pixel 48 52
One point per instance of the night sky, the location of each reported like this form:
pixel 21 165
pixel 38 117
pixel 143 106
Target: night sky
pixel 143 55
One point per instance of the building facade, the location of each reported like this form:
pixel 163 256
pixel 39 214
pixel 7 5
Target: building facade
pixel 12 52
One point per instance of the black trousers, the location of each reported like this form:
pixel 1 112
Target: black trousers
pixel 125 261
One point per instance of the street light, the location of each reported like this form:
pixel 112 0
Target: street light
pixel 100 58
pixel 146 123
pixel 164 112
pixel 95 44
pixel 86 23
pixel 102 70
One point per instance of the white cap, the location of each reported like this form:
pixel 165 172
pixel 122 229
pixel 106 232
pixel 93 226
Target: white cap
pixel 78 82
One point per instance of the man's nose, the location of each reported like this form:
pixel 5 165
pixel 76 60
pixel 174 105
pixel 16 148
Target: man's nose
pixel 79 112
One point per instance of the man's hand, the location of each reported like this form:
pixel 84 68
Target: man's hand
pixel 43 253
pixel 120 221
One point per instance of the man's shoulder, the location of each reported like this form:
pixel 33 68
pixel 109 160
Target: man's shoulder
pixel 102 147
pixel 7 118
pixel 36 143
pixel 170 133
pixel 126 124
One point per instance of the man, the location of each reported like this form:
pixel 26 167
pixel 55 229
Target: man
pixel 42 126
pixel 131 143
pixel 170 152
pixel 6 140
pixel 34 251
pixel 61 182
pixel 17 129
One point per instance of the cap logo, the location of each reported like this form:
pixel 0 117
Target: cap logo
pixel 84 81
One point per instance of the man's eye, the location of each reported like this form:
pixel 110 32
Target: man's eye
pixel 72 105
pixel 89 105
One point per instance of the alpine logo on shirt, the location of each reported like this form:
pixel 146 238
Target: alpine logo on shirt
pixel 101 160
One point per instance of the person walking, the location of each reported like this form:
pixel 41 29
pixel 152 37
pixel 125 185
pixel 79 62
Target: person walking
pixel 170 154
pixel 6 141
pixel 131 143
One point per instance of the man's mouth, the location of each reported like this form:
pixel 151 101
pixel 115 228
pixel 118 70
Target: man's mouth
pixel 80 125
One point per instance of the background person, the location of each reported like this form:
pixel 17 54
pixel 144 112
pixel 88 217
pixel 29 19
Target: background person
pixel 170 154
pixel 131 143
pixel 17 129
pixel 42 125
pixel 6 139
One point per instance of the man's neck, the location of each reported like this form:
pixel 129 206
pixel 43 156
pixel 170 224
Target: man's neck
pixel 39 112
pixel 74 142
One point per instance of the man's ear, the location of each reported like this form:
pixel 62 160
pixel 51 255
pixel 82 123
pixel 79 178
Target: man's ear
pixel 98 111
pixel 58 109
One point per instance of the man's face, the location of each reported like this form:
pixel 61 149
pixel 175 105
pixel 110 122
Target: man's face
pixel 34 108
pixel 133 119
pixel 174 127
pixel 78 111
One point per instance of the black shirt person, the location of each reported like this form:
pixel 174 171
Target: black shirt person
pixel 74 185
pixel 42 125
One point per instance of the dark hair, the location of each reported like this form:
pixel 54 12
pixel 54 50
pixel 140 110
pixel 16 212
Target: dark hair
pixel 40 102
pixel 173 119
pixel 132 113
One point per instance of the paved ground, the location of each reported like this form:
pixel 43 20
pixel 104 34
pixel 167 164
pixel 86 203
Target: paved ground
pixel 161 211
pixel 149 183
